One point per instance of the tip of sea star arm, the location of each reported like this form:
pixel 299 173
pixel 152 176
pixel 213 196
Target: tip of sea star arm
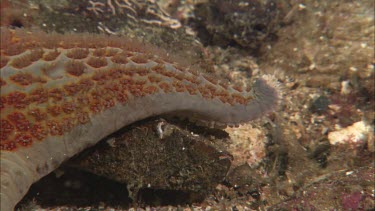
pixel 267 96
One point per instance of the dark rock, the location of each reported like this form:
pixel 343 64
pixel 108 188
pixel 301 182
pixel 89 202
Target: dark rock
pixel 320 153
pixel 240 176
pixel 158 156
pixel 320 105
pixel 238 23
pixel 278 159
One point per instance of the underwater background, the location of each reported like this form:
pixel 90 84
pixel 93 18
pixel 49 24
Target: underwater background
pixel 315 152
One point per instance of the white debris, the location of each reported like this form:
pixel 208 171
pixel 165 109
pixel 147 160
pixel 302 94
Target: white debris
pixel 346 87
pixel 349 173
pixel 354 134
pixel 111 142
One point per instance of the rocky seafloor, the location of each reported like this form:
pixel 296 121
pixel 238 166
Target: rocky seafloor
pixel 316 152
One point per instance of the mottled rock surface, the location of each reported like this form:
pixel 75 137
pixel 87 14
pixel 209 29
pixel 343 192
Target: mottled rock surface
pixel 159 155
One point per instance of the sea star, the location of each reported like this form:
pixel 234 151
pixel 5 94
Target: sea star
pixel 63 93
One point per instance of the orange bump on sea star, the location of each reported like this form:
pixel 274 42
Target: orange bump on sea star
pixel 63 93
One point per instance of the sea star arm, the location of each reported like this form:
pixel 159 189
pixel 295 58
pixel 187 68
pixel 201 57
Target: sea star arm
pixel 63 93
